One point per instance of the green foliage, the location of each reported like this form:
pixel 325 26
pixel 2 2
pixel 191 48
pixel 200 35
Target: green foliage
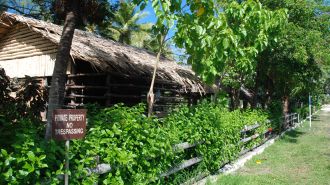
pixel 218 128
pixel 23 157
pixel 289 154
pixel 139 148
pixel 229 40
pixel 298 63
pixel 124 26
pixel 275 110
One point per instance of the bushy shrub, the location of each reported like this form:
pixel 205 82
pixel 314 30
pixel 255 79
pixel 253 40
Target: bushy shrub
pixel 139 149
pixel 276 112
pixel 217 128
pixel 25 157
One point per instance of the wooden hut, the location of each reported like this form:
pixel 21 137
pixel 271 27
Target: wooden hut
pixel 100 70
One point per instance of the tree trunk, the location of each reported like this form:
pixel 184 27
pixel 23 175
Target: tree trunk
pixel 285 100
pixel 234 99
pixel 254 101
pixel 57 90
pixel 151 95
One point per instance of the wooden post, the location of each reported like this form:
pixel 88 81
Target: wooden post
pixel 310 110
pixel 45 86
pixel 66 176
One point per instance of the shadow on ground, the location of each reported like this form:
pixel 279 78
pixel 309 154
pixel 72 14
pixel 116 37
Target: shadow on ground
pixel 292 136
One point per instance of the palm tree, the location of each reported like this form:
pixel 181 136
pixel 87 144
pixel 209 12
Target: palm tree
pixel 152 44
pixel 125 26
pixel 75 11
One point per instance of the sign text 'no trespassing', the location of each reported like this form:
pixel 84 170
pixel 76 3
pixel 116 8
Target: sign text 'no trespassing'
pixel 69 124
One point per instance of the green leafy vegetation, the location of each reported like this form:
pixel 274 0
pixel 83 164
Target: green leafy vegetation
pixel 270 53
pixel 296 65
pixel 23 157
pixel 138 148
pixel 300 157
pixel 125 28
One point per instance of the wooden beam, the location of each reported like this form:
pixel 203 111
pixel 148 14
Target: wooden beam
pixel 32 41
pixel 182 166
pixel 186 145
pixel 19 34
pixel 251 127
pixel 26 54
pixel 122 96
pixel 84 96
pixel 99 169
pixel 15 32
pixel 86 75
pixel 85 87
pixel 27 49
pixel 3 30
pixel 249 138
pixel 5 24
pixel 27 40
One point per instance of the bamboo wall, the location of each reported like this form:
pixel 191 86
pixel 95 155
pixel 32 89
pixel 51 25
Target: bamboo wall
pixel 24 52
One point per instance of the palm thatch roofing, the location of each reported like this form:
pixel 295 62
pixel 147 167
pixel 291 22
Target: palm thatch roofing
pixel 110 56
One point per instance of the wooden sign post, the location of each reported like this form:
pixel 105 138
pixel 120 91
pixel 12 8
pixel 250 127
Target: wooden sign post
pixel 68 124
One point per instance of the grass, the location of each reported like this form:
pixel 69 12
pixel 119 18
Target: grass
pixel 302 156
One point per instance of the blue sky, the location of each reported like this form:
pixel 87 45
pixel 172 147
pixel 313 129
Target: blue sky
pixel 151 18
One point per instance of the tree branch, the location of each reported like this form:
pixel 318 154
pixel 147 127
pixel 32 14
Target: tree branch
pixel 17 9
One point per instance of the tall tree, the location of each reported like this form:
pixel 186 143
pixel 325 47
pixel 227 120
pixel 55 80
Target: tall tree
pixel 125 26
pixel 56 93
pixel 293 67
pixel 152 44
pixel 210 39
pixel 230 36
pixel 76 13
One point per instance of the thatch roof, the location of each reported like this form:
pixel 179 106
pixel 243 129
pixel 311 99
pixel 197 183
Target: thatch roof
pixel 110 56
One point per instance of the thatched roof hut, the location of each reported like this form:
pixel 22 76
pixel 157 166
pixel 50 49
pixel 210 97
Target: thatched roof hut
pixel 104 54
pixel 100 70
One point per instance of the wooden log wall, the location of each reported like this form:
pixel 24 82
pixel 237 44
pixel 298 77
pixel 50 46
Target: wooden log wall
pixel 107 90
pixel 21 42
pixel 111 88
pixel 24 52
